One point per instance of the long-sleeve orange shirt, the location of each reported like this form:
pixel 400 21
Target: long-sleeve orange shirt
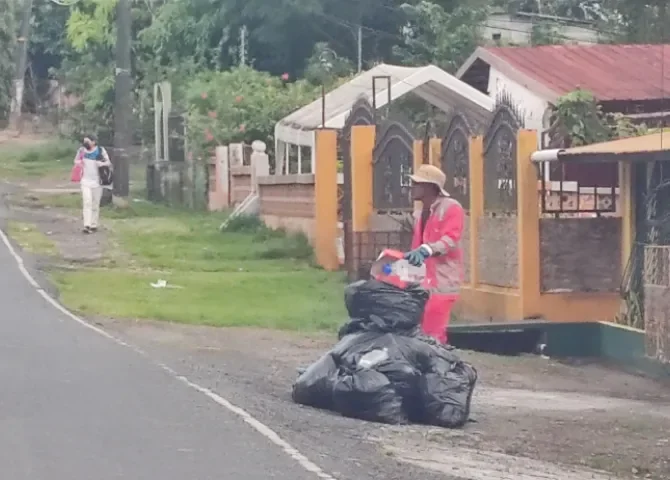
pixel 442 235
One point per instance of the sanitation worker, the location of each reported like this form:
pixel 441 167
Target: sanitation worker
pixel 438 227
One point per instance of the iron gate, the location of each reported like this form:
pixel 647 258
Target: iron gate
pixel 456 159
pixel 393 162
pixel 500 150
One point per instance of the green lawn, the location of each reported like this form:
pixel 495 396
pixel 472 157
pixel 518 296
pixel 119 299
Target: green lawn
pixel 52 157
pixel 247 277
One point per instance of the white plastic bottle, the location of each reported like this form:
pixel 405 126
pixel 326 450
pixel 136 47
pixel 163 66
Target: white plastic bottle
pixel 373 358
pixel 406 272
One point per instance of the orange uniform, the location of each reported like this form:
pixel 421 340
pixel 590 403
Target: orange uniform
pixel 440 232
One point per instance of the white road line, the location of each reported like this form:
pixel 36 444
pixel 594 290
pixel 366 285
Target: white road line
pixel 257 425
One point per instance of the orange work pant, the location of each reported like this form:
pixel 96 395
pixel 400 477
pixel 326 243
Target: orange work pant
pixel 436 316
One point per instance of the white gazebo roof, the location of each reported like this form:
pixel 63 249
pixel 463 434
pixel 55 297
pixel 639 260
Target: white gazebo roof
pixel 431 83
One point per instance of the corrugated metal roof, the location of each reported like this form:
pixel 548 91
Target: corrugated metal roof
pixel 610 72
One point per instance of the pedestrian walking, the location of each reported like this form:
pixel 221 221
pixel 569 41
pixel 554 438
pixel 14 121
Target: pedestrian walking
pixel 95 172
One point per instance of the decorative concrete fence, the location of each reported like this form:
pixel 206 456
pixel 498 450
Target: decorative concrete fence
pixel 519 263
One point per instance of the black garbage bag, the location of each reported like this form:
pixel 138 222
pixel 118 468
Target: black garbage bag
pixel 404 355
pixel 381 307
pixel 352 347
pixel 368 395
pixel 446 396
pixel 434 358
pixel 405 381
pixel 314 387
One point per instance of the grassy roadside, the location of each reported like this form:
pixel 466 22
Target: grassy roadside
pixel 31 239
pixel 246 276
pixel 34 159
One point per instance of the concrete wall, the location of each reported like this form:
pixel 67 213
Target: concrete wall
pixel 517 31
pixel 240 183
pixel 580 255
pixel 288 201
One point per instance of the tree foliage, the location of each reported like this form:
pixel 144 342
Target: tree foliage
pixel 581 121
pixel 190 41
pixel 434 34
pixel 241 104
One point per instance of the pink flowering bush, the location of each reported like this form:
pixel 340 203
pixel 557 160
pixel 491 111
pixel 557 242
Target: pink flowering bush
pixel 241 105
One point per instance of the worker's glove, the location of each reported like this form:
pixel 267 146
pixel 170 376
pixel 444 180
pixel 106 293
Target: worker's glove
pixel 418 256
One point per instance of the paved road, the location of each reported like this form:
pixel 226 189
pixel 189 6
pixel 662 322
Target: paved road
pixel 77 406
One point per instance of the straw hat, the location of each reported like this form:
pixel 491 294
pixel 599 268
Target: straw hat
pixel 431 174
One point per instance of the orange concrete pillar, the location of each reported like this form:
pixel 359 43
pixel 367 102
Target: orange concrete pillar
pixel 418 161
pixel 417 152
pixel 625 209
pixel 435 152
pixel 362 148
pixel 325 201
pixel 476 203
pixel 528 227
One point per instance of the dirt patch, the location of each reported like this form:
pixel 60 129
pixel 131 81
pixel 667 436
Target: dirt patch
pixel 535 419
pixel 65 231
pixel 62 227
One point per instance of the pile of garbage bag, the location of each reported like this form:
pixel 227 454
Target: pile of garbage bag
pixel 384 369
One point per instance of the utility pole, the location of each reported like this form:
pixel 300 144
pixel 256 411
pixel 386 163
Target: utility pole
pixel 123 89
pixel 360 48
pixel 21 64
pixel 243 46
pixel 359 37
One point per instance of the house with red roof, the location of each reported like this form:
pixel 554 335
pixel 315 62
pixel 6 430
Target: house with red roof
pixel 630 79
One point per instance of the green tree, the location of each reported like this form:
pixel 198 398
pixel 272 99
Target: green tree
pixel 325 67
pixel 637 21
pixel 8 31
pixel 435 35
pixel 578 118
pixel 242 104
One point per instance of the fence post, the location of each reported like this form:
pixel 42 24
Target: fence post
pixel 528 224
pixel 362 148
pixel 362 156
pixel 222 175
pixel 236 154
pixel 435 152
pixel 418 161
pixel 476 187
pixel 417 153
pixel 625 208
pixel 325 200
pixel 260 163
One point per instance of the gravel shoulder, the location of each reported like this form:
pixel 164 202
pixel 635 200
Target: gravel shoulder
pixel 534 419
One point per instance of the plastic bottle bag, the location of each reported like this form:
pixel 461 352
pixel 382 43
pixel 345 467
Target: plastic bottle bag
pixel 374 358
